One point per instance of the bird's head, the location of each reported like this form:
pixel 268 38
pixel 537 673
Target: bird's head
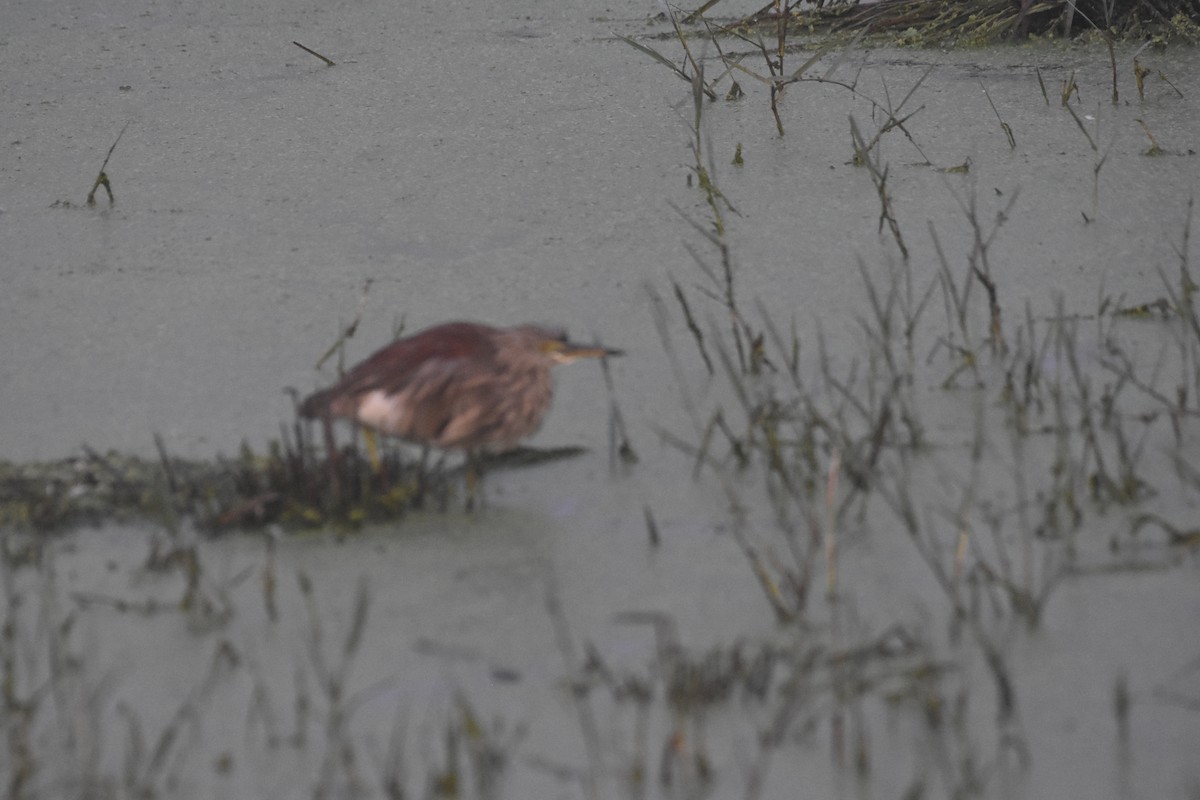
pixel 554 345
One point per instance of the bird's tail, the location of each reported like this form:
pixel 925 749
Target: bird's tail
pixel 316 405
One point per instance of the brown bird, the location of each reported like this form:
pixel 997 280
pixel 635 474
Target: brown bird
pixel 457 386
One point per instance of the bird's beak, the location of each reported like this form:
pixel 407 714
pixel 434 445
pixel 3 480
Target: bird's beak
pixel 566 352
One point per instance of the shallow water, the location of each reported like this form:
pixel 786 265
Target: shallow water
pixel 518 162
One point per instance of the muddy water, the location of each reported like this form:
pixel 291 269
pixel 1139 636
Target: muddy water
pixel 517 162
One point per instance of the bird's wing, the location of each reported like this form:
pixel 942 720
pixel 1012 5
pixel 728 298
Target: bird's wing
pixel 431 355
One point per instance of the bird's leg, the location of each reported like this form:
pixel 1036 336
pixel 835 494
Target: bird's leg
pixel 474 478
pixel 372 442
pixel 422 476
pixel 332 461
